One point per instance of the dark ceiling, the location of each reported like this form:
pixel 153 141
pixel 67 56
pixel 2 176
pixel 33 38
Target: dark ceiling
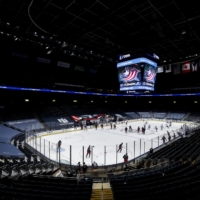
pixel 111 27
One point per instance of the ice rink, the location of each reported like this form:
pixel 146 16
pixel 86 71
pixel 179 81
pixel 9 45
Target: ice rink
pixel 104 142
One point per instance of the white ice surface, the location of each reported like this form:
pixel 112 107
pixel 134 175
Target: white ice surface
pixel 105 142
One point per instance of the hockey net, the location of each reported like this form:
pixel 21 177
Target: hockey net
pixel 54 146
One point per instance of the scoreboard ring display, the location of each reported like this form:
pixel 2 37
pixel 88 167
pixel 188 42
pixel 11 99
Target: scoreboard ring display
pixel 137 74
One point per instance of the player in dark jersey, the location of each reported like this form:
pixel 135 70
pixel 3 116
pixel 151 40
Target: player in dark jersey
pixel 59 145
pixel 126 129
pixel 88 151
pixel 120 147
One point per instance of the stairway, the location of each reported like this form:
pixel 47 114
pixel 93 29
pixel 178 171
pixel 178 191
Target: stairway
pixel 101 192
pixel 151 113
pixel 185 117
pixel 41 121
pixel 166 115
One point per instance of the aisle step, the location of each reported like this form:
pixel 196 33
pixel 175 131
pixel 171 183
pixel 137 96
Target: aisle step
pixel 98 193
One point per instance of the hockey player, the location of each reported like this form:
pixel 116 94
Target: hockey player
pixel 88 151
pixel 169 136
pixel 149 126
pixel 174 136
pixel 126 129
pixel 125 157
pixel 138 129
pixel 114 126
pixel 130 128
pixel 94 165
pixel 101 126
pixel 163 139
pixel 78 168
pixel 59 145
pixel 120 147
pixel 96 125
pixel 150 151
pixel 111 125
pixel 161 127
pixel 84 168
pixel 156 128
pixel 143 130
pixel 181 127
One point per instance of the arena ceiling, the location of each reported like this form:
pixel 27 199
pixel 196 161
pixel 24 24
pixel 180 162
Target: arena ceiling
pixel 168 28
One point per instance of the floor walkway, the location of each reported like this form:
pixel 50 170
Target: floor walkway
pixel 101 192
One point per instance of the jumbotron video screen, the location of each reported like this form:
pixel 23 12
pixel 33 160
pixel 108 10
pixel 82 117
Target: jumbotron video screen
pixel 137 74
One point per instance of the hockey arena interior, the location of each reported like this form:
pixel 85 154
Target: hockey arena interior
pixel 99 100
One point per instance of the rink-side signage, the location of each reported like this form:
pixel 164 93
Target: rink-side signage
pixel 93 93
pixel 23 124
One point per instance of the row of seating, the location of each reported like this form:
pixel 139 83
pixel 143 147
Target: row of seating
pixel 180 174
pixel 31 187
pixel 145 186
pixel 184 148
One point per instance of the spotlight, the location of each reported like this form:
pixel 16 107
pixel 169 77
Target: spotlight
pixel 183 32
pixel 49 52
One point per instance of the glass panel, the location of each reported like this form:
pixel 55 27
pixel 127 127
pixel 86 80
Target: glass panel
pixel 66 154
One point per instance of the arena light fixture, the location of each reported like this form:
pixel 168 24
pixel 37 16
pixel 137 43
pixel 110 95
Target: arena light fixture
pixel 183 32
pixel 195 101
pixel 125 101
pixel 174 101
pixel 105 101
pixel 26 100
pixel 150 102
pixel 91 101
pixel 53 100
pixel 75 101
pixel 49 52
